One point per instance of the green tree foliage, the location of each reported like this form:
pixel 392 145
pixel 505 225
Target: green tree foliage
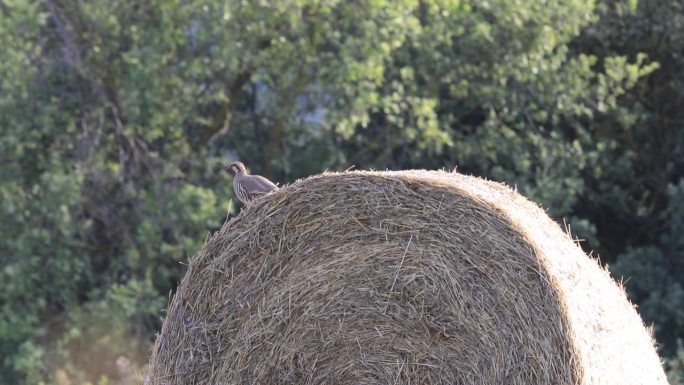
pixel 644 132
pixel 675 366
pixel 116 118
pixel 656 282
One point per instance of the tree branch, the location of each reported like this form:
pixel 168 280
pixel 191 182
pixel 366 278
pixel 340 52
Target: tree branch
pixel 287 98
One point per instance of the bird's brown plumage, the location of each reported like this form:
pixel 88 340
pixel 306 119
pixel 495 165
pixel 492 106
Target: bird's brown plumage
pixel 249 187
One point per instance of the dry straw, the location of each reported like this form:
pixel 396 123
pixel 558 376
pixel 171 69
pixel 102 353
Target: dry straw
pixel 411 277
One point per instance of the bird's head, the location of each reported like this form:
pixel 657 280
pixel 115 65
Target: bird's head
pixel 237 168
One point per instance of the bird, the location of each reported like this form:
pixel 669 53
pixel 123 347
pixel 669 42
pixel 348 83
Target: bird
pixel 249 187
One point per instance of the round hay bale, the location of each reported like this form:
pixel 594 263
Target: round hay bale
pixel 411 277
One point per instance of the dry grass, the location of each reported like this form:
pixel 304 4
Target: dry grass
pixel 409 277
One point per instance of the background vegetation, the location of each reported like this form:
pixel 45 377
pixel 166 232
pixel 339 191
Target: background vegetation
pixel 117 117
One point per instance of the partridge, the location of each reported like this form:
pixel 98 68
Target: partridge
pixel 249 187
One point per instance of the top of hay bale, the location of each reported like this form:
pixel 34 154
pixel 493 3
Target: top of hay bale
pixel 399 277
